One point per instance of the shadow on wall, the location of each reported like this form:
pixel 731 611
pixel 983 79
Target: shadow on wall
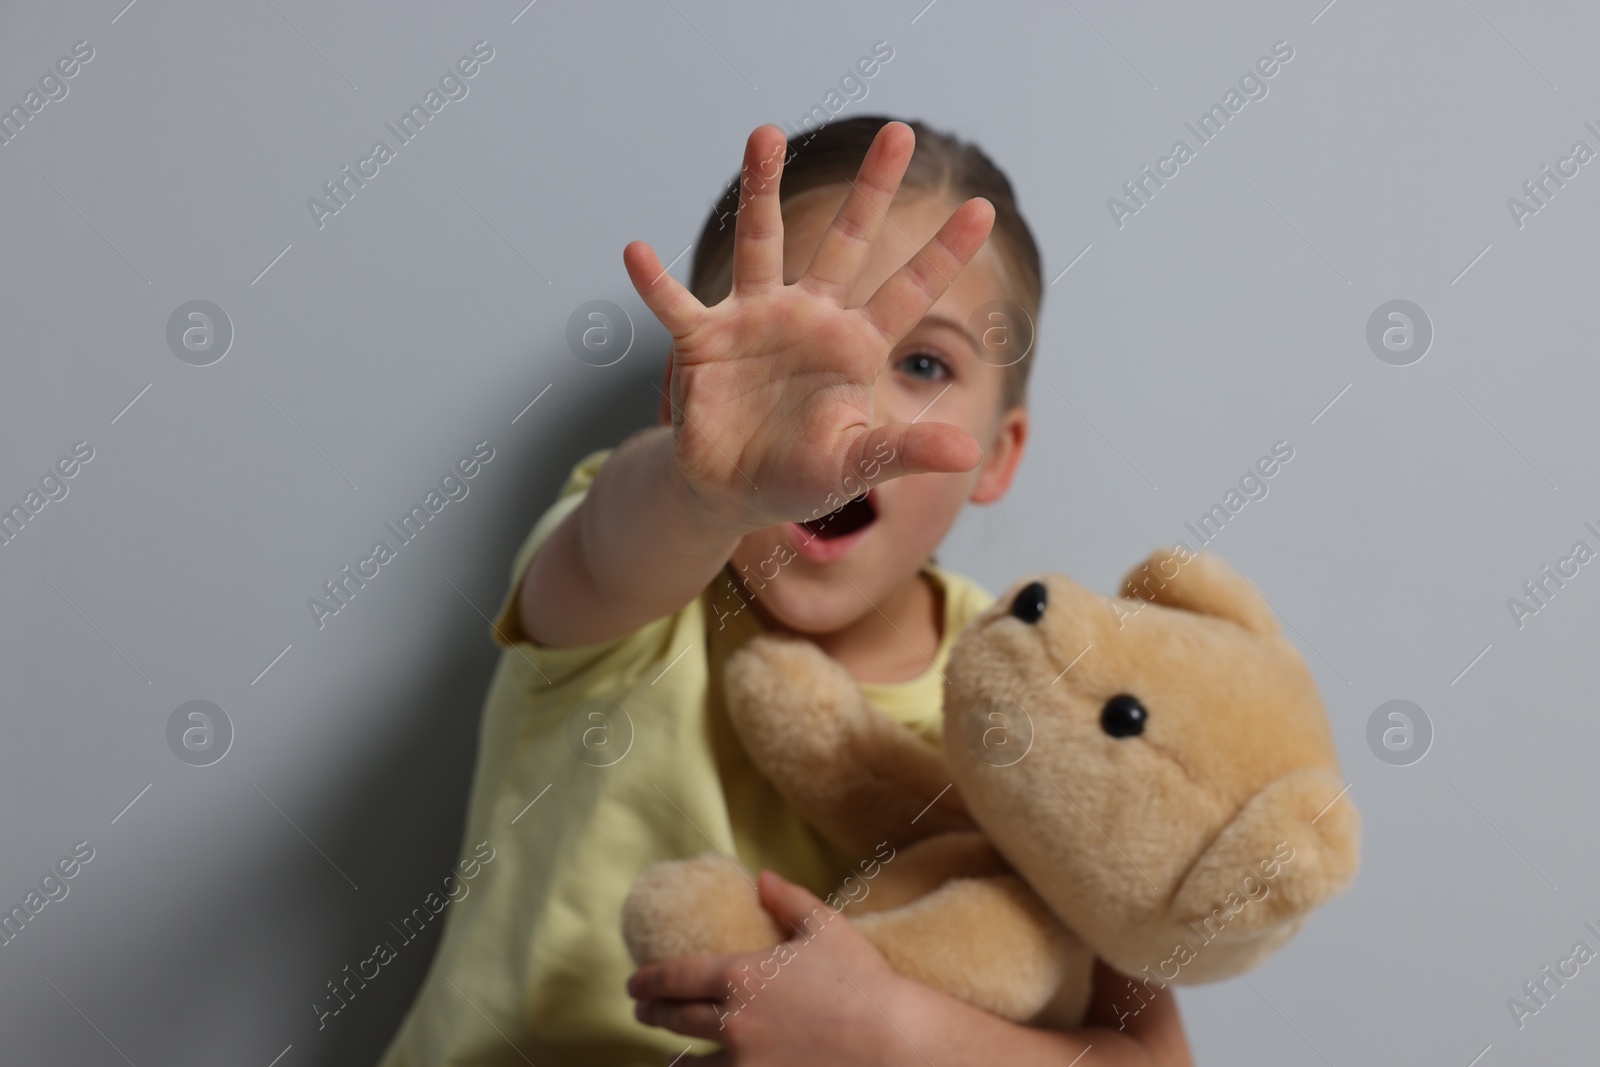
pixel 406 810
pixel 395 820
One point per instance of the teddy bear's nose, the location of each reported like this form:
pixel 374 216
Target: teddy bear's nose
pixel 1123 716
pixel 1030 601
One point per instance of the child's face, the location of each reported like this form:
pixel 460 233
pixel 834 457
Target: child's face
pixel 933 374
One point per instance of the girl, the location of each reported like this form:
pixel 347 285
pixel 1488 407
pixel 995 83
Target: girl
pixel 835 336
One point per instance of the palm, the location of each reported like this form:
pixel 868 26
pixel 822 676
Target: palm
pixel 780 412
pixel 772 389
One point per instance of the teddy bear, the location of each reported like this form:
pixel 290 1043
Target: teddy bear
pixel 1148 778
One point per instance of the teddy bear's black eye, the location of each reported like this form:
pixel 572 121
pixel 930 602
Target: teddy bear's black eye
pixel 1029 605
pixel 1123 716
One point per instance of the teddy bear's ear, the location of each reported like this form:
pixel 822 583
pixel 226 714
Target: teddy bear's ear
pixel 1202 583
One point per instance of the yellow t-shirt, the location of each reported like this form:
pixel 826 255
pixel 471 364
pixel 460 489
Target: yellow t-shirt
pixel 593 763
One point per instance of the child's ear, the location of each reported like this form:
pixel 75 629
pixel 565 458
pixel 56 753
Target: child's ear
pixel 1002 456
pixel 664 409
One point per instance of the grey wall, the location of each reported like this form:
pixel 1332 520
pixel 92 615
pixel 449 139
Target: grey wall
pixel 1225 315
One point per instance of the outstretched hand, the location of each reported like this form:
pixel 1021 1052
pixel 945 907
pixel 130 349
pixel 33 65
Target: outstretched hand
pixel 772 388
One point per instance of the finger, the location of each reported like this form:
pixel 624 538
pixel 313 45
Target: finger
pixel 691 1018
pixel 902 448
pixel 758 227
pixel 674 306
pixel 697 977
pixel 843 252
pixel 909 292
pixel 793 907
pixel 721 1058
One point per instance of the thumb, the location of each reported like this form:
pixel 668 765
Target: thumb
pixel 900 448
pixel 793 907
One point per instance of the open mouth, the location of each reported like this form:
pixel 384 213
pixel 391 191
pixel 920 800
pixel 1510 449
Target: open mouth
pixel 844 520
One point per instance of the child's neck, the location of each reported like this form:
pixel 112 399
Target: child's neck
pixel 897 641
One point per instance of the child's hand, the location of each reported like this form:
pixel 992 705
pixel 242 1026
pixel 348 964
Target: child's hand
pixel 835 1000
pixel 772 403
pixel 802 1011
pixel 772 389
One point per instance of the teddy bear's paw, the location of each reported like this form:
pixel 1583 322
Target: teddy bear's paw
pixel 908 874
pixel 988 941
pixel 857 776
pixel 707 904
pixel 795 708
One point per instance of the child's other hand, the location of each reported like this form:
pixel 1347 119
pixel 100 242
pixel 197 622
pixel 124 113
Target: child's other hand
pixel 834 999
pixel 772 388
pixel 802 1011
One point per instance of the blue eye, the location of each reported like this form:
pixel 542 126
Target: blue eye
pixel 926 366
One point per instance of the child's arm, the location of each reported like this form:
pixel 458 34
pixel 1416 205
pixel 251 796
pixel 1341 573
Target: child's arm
pixel 836 1001
pixel 638 547
pixel 771 398
pixel 1152 1038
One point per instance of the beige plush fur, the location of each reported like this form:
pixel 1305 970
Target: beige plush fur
pixel 1186 853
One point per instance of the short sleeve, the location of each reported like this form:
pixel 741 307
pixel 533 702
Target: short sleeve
pixel 619 658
